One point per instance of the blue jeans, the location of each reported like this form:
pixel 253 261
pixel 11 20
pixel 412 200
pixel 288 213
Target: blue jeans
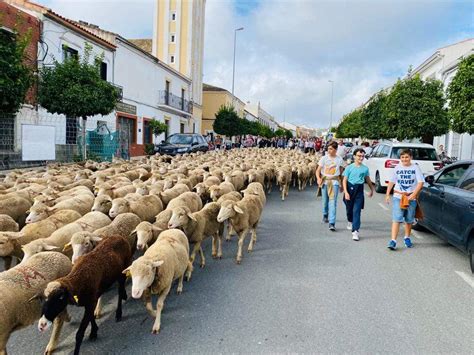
pixel 329 205
pixel 355 205
pixel 399 215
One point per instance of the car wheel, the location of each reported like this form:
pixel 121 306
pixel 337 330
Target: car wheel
pixel 417 226
pixel 378 186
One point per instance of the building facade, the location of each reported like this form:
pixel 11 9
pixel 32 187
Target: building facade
pixel 213 98
pixel 443 65
pixel 263 116
pixel 178 40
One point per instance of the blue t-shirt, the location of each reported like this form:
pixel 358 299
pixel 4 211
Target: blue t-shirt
pixel 356 174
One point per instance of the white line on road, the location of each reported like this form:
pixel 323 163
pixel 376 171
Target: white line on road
pixel 383 206
pixel 466 277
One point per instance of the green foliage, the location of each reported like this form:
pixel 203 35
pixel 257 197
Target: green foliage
pixel 351 125
pixel 74 88
pixel 15 75
pixel 282 132
pixel 415 108
pixel 149 149
pixel 374 118
pixel 227 122
pixel 157 127
pixel 461 97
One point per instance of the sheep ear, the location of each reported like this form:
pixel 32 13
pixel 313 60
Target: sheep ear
pixel 190 215
pixel 157 263
pixel 96 239
pixel 127 272
pixel 67 247
pixel 38 296
pixel 238 209
pixel 50 247
pixel 156 229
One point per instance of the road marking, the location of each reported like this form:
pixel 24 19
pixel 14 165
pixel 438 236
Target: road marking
pixel 466 277
pixel 416 235
pixel 383 206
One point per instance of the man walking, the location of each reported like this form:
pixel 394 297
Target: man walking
pixel 353 183
pixel 328 176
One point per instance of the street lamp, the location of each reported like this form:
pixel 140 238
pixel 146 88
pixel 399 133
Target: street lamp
pixel 332 95
pixel 233 69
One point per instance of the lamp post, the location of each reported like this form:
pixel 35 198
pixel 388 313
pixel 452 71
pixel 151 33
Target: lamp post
pixel 332 95
pixel 233 68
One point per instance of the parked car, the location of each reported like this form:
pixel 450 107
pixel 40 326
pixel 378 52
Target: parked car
pixel 349 156
pixel 447 201
pixel 386 156
pixel 181 143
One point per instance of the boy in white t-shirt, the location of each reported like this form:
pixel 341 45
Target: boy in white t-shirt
pixel 328 175
pixel 408 180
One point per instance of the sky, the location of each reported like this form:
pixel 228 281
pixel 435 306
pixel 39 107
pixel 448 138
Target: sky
pixel 289 50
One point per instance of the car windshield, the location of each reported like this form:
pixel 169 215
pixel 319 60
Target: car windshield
pixel 179 139
pixel 418 153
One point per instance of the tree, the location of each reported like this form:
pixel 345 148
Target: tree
pixel 415 109
pixel 74 88
pixel 227 122
pixel 157 127
pixel 16 76
pixel 351 125
pixel 461 97
pixel 374 118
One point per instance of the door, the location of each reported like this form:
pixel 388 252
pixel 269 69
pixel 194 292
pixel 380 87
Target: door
pixel 455 203
pixel 125 128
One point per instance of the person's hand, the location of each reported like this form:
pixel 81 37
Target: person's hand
pixel 412 197
pixel 341 189
pixel 387 199
pixel 320 181
pixel 371 193
pixel 347 196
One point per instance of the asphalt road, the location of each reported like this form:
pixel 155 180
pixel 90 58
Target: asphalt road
pixel 303 289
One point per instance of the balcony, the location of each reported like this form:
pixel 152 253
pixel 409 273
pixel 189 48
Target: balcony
pixel 169 100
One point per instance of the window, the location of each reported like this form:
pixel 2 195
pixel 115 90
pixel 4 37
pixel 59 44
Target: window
pixel 383 152
pixel 103 71
pixel 181 128
pixel 173 16
pixel 418 153
pixel 172 59
pixel 194 127
pixel 147 133
pixel 468 184
pixel 450 177
pixel 69 52
pixel 173 38
pixel 182 99
pixel 167 92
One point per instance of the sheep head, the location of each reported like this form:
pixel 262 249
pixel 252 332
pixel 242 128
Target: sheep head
pixel 119 205
pixel 180 217
pixel 102 203
pixel 6 242
pixel 38 213
pixel 215 192
pixel 35 247
pixel 57 299
pixel 143 272
pixel 144 233
pixel 82 243
pixel 228 210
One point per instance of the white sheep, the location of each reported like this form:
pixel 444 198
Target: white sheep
pixel 19 287
pixel 167 195
pixel 189 199
pixel 16 208
pixel 217 191
pixel 102 203
pixel 153 273
pixel 146 207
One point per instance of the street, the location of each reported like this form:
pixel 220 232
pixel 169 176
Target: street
pixel 303 289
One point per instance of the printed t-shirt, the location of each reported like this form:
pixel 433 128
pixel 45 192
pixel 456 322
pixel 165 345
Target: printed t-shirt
pixel 406 178
pixel 356 174
pixel 331 167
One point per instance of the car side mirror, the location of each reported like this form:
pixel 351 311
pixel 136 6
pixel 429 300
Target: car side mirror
pixel 162 142
pixel 430 180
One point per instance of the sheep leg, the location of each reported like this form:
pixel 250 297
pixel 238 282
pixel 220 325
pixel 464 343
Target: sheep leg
pixel 283 193
pixel 148 305
pixel 193 253
pixel 7 260
pixel 242 236
pixel 3 343
pixel 219 245
pixel 189 271
pixel 201 254
pixel 57 326
pixel 180 285
pixel 159 307
pixel 253 239
pixel 122 295
pixel 86 319
pixel 98 309
pixel 214 246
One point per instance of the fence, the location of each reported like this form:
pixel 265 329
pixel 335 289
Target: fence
pixel 34 138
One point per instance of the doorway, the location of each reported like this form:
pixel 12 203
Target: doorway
pixel 125 139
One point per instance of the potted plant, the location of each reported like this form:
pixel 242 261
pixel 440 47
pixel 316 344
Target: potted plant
pixel 158 127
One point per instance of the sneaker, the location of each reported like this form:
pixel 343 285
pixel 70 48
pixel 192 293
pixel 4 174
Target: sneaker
pixel 392 245
pixel 332 227
pixel 325 219
pixel 349 226
pixel 408 242
pixel 355 236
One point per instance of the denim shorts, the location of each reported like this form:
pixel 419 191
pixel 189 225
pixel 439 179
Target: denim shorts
pixel 399 215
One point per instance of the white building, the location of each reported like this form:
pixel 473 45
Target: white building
pixel 443 65
pixel 263 116
pixel 178 40
pixel 289 126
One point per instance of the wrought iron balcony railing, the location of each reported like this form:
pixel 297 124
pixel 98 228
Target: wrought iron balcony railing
pixel 167 98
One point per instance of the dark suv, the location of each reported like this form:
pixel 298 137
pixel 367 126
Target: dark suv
pixel 181 143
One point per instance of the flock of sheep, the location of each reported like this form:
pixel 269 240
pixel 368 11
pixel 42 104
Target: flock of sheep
pixel 76 228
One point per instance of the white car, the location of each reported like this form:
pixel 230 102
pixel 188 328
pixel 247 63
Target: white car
pixel 386 155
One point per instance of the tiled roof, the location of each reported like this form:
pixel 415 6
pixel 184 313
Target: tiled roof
pixel 207 87
pixel 146 44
